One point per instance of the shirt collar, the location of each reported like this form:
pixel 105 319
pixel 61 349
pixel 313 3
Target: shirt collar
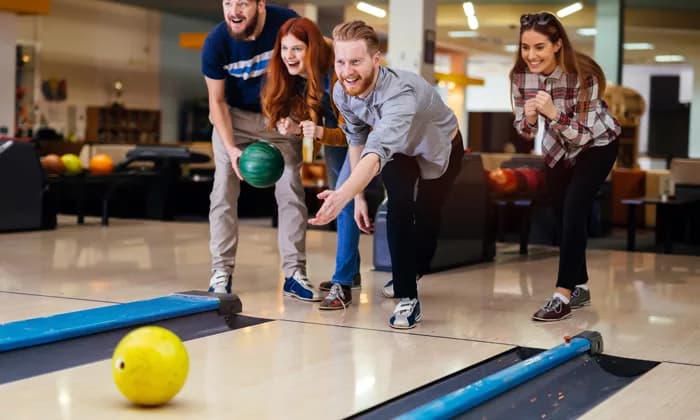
pixel 381 78
pixel 555 75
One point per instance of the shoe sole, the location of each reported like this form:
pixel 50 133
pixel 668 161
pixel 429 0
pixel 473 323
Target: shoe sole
pixel 408 327
pixel 328 289
pixel 587 303
pixel 225 292
pixel 552 320
pixel 292 295
pixel 327 308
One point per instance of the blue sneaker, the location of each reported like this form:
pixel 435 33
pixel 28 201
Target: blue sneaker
pixel 298 286
pixel 220 282
pixel 406 314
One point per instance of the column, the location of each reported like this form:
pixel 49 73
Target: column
pixel 8 68
pixel 307 10
pixel 694 133
pixel 412 36
pixel 609 38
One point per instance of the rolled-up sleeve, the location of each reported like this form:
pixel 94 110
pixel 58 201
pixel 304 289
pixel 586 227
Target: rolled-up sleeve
pixel 389 135
pixel 520 123
pixel 589 120
pixel 355 130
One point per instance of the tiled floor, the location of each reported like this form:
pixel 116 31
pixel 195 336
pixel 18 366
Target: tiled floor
pixel 645 306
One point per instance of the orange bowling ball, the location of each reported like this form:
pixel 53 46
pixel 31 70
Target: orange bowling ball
pixel 53 164
pixel 503 180
pixel 101 164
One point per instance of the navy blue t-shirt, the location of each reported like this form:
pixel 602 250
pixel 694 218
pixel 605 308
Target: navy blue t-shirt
pixel 243 63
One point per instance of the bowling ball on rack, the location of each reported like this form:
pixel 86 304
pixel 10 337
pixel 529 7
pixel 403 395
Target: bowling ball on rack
pixel 150 365
pixel 101 164
pixel 503 180
pixel 53 164
pixel 72 164
pixel 532 179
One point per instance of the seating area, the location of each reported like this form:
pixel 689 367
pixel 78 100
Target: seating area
pixel 526 218
pixel 174 182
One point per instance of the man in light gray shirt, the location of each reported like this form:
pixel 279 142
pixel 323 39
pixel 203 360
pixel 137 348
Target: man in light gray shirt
pixel 414 142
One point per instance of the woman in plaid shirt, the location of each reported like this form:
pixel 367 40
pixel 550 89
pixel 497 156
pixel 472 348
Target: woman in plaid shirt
pixel 556 93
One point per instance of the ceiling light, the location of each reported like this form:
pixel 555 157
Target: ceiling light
pixel 511 47
pixel 462 34
pixel 468 9
pixel 669 58
pixel 473 23
pixel 638 46
pixel 372 10
pixel 587 31
pixel 570 9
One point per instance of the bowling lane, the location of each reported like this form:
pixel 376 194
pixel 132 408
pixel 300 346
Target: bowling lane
pixel 279 369
pixel 18 306
pixel 669 391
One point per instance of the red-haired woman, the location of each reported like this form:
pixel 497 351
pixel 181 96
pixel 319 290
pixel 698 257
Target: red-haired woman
pixel 296 100
pixel 556 94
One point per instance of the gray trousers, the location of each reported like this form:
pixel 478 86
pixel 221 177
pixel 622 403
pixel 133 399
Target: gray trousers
pixel 289 193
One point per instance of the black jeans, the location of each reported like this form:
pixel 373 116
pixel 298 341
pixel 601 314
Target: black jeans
pixel 413 215
pixel 573 190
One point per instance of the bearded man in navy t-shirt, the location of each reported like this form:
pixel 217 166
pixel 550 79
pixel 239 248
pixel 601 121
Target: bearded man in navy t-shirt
pixel 234 60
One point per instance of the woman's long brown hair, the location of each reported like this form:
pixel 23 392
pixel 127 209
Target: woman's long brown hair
pixel 570 60
pixel 280 96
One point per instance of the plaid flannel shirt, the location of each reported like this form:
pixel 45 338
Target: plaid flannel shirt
pixel 576 127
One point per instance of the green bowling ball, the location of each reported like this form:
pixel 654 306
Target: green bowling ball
pixel 261 164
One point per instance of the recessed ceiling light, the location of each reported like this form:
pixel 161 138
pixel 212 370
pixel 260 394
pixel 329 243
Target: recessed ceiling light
pixel 468 9
pixel 587 31
pixel 370 9
pixel 473 23
pixel 570 9
pixel 637 46
pixel 463 34
pixel 671 58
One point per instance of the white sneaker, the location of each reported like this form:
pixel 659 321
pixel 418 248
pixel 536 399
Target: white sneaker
pixel 220 282
pixel 388 288
pixel 406 314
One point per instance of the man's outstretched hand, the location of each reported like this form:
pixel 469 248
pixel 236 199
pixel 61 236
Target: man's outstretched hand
pixel 333 203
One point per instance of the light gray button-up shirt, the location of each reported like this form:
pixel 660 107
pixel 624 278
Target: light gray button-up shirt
pixel 407 116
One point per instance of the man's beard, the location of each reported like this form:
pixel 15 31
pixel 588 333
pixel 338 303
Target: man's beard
pixel 362 87
pixel 247 31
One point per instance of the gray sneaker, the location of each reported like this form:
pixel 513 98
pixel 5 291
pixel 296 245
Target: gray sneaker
pixel 580 297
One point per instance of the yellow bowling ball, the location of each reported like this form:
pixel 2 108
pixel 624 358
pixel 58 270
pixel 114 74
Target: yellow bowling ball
pixel 72 164
pixel 150 365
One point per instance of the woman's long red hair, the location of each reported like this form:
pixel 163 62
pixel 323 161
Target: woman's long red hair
pixel 280 96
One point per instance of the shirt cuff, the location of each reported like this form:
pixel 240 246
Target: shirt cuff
pixel 526 128
pixel 383 160
pixel 559 122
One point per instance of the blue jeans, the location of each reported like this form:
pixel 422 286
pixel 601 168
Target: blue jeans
pixel 347 255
